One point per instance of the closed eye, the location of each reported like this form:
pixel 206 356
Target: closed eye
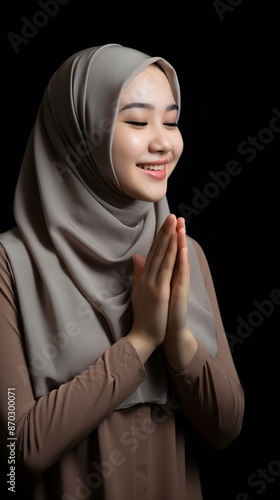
pixel 142 124
pixel 137 124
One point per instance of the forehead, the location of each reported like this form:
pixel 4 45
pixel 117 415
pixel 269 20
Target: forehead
pixel 150 81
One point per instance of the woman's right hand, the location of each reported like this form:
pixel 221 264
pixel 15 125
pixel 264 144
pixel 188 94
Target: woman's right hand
pixel 151 290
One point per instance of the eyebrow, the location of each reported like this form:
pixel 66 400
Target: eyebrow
pixel 143 105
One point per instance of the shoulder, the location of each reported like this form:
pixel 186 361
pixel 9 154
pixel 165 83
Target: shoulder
pixel 7 285
pixel 6 273
pixel 5 268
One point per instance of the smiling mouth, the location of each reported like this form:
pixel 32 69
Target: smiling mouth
pixel 152 167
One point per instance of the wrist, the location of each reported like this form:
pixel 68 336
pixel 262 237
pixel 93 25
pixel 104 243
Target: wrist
pixel 179 349
pixel 143 345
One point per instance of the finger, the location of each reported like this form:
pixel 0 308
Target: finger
pixel 182 238
pixel 183 260
pixel 160 245
pixel 181 224
pixel 167 267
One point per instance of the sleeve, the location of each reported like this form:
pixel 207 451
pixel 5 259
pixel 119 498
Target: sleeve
pixel 209 388
pixel 78 406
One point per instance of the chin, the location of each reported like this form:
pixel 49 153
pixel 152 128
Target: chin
pixel 153 198
pixel 150 195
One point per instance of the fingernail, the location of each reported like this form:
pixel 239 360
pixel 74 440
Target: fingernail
pixel 171 219
pixel 182 219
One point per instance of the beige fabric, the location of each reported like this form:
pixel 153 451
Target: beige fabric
pixel 71 252
pixel 72 445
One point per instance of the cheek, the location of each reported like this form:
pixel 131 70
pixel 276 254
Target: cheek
pixel 179 145
pixel 126 147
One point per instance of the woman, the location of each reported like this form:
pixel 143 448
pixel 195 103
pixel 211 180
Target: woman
pixel 112 344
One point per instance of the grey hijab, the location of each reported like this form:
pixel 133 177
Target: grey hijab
pixel 71 252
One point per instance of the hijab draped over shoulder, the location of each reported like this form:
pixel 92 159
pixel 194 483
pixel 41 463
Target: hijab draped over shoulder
pixel 76 231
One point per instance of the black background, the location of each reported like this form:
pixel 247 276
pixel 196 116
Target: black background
pixel 227 58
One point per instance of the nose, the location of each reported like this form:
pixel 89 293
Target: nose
pixel 160 140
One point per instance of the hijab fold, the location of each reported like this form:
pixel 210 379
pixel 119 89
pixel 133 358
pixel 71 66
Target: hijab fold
pixel 76 231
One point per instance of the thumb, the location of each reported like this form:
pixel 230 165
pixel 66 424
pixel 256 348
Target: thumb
pixel 138 263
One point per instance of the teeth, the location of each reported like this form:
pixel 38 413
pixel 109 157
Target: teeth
pixel 153 167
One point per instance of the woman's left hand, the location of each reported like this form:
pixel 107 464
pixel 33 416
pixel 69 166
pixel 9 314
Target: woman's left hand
pixel 180 285
pixel 179 344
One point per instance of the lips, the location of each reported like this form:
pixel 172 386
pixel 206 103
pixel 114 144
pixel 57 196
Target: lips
pixel 157 172
pixel 152 166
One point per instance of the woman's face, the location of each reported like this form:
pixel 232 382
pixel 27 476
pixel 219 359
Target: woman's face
pixel 147 143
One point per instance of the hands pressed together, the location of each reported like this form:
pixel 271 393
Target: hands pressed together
pixel 160 295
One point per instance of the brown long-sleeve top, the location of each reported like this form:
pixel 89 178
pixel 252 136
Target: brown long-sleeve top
pixel 73 445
